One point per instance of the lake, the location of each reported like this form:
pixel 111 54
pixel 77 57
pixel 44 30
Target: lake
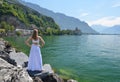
pixel 86 58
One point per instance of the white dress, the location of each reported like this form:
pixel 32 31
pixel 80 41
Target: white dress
pixel 35 57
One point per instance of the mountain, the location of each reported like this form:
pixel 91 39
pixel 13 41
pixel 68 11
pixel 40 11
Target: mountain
pixel 107 30
pixel 99 28
pixel 65 22
pixel 17 15
pixel 112 30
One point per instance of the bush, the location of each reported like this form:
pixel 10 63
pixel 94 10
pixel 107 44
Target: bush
pixel 2 30
pixel 18 33
pixel 7 27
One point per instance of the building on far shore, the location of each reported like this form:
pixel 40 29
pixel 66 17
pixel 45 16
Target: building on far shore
pixel 25 32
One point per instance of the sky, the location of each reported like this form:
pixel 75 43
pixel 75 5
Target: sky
pixel 94 12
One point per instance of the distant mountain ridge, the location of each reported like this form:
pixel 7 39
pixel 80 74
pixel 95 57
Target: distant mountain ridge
pixel 112 30
pixel 65 22
pixel 107 30
pixel 99 28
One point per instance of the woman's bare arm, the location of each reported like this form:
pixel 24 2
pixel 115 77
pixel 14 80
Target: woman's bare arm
pixel 27 41
pixel 42 41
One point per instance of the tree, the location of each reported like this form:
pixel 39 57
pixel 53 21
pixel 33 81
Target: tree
pixel 49 31
pixel 7 26
pixel 12 28
pixel 2 30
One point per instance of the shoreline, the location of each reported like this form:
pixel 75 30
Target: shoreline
pixel 20 58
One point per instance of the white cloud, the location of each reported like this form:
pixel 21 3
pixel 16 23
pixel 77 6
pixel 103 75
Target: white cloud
pixel 116 5
pixel 83 14
pixel 106 21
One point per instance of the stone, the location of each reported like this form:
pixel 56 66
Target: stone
pixel 49 78
pixel 37 79
pixel 7 58
pixel 2 45
pixel 2 48
pixel 2 42
pixel 48 68
pixel 19 57
pixel 10 73
pixel 47 75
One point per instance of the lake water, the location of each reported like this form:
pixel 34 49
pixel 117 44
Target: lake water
pixel 86 58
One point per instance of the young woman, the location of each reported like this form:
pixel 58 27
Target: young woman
pixel 35 58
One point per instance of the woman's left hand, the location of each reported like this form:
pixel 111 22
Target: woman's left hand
pixel 39 46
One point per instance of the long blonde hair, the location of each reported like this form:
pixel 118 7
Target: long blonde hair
pixel 35 34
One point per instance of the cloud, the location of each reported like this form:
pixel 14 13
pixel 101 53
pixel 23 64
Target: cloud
pixel 105 21
pixel 83 14
pixel 116 5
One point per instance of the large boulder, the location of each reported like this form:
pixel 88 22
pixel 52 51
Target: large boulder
pixel 7 58
pixel 10 73
pixel 4 52
pixel 47 75
pixel 19 57
pixel 48 68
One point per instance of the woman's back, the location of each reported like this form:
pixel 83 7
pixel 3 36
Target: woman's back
pixel 35 41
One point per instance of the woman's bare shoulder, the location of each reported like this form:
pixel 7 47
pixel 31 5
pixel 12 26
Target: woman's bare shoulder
pixel 39 37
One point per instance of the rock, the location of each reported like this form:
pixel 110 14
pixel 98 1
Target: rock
pixel 7 58
pixel 2 45
pixel 48 68
pixel 7 48
pixel 2 42
pixel 47 75
pixel 37 79
pixel 25 64
pixel 4 52
pixel 53 78
pixel 10 73
pixel 49 78
pixel 19 57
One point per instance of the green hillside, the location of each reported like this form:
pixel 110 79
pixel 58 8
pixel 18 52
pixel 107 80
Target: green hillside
pixel 18 16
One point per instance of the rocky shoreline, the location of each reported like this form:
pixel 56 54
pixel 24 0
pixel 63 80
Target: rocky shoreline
pixel 13 67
